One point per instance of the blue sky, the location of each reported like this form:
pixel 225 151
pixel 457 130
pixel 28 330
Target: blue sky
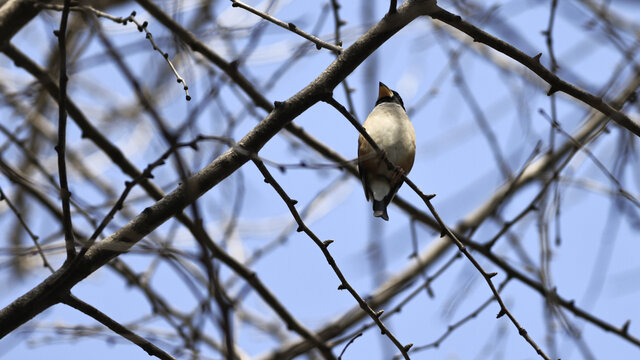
pixel 453 161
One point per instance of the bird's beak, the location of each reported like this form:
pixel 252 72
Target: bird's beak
pixel 384 91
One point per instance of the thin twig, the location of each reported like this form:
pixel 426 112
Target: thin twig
pixel 451 328
pixel 62 133
pixel 478 115
pixel 146 174
pixel 622 192
pixel 323 245
pixel 124 21
pixel 289 26
pixel 445 230
pixel 426 284
pixel 487 276
pixel 34 237
pixel 116 327
pixel 347 345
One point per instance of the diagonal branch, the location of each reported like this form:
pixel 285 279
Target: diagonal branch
pixel 116 327
pixel 388 290
pixel 445 231
pixel 289 26
pixel 323 245
pixel 56 286
pixel 533 63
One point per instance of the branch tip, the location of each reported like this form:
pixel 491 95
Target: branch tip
pixel 625 327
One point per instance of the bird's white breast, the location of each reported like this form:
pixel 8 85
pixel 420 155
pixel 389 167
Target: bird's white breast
pixel 390 127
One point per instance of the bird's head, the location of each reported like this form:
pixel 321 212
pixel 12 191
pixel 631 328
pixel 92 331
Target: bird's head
pixel 387 95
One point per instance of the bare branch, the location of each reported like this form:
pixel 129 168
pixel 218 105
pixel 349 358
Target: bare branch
pixel 62 133
pixel 116 327
pixel 533 63
pixel 289 26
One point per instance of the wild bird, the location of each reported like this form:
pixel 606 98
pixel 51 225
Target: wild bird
pixel 390 128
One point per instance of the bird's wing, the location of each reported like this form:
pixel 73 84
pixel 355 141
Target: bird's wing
pixel 364 154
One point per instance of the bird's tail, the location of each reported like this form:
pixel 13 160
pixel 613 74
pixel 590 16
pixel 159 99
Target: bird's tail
pixel 380 209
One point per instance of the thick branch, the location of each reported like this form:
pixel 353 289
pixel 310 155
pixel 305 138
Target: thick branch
pixel 58 284
pixel 14 14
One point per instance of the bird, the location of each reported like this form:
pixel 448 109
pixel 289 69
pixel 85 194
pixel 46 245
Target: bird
pixel 389 126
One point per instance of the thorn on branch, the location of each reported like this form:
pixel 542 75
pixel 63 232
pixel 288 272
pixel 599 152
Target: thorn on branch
pixel 292 26
pixel 408 346
pixel 379 313
pixel 490 275
pixel 326 243
pixel 625 327
pixel 341 287
pixel 552 90
pixel 501 313
pixel 537 58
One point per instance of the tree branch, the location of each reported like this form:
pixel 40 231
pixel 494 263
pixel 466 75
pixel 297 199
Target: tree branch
pixel 116 327
pixel 289 26
pixel 533 63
